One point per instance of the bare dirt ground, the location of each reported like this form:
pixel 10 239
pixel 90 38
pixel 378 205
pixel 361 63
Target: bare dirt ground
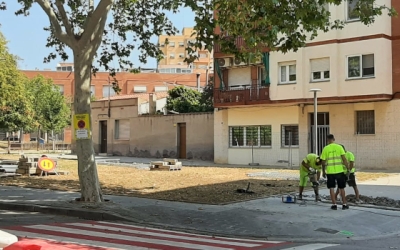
pixel 207 185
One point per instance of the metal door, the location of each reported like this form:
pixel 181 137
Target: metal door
pixel 323 129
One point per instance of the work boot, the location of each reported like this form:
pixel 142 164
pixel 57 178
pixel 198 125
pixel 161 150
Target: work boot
pixel 317 198
pixel 344 207
pixel 300 197
pixel 334 207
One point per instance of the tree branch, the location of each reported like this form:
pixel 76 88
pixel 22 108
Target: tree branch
pixel 64 18
pixel 58 32
pixel 93 20
pixel 98 34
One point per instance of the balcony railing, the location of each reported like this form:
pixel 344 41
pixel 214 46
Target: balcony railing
pixel 241 95
pixel 239 42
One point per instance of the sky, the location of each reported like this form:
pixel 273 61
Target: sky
pixel 27 39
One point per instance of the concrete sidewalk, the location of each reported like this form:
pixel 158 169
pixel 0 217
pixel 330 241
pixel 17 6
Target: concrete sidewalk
pixel 267 218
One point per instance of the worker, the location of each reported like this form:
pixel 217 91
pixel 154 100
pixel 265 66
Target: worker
pixel 351 176
pixel 308 169
pixel 333 158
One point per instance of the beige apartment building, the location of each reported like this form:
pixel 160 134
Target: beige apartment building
pixel 264 110
pixel 175 54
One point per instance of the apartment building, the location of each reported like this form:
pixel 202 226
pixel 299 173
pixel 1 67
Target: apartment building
pixel 130 84
pixel 264 110
pixel 175 53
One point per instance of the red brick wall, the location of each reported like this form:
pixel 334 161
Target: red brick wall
pixel 126 82
pixel 396 49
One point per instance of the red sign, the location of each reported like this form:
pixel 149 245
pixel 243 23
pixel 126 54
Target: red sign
pixel 46 164
pixel 81 124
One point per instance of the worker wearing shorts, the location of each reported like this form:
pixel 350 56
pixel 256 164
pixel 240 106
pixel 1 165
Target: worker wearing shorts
pixel 333 158
pixel 351 177
pixel 308 166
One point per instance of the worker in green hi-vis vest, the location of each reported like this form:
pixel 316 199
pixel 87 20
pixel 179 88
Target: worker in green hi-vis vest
pixel 333 158
pixel 351 177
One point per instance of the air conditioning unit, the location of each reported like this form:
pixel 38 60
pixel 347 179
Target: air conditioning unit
pixel 224 62
pixel 238 62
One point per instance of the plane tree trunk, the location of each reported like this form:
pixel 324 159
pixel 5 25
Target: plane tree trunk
pixel 88 176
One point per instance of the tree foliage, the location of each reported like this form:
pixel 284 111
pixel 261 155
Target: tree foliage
pixel 282 25
pixel 186 100
pixel 50 106
pixel 15 107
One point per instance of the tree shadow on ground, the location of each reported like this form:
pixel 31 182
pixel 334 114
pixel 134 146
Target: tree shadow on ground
pixel 218 193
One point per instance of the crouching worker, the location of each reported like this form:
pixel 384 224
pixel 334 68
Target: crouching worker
pixel 351 176
pixel 308 170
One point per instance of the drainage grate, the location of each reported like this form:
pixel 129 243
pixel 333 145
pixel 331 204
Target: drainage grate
pixel 327 230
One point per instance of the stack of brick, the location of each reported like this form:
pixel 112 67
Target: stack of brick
pixel 166 165
pixel 28 165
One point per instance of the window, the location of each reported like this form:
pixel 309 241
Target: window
pixel 181 55
pixel 365 122
pixel 160 88
pixel 122 129
pixel 354 7
pixel 320 69
pixel 181 44
pixel 108 91
pixel 287 73
pixel 351 10
pixel 61 89
pixel 172 44
pixel 139 89
pixel 360 66
pixel 92 90
pixel 290 135
pixel 172 55
pixel 261 75
pixel 265 136
pixel 202 55
pixel 162 45
pixel 237 136
pixel 256 136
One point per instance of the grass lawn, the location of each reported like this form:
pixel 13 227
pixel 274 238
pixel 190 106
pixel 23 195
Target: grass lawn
pixel 208 185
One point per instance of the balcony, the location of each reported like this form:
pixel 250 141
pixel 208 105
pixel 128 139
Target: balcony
pixel 245 95
pixel 239 42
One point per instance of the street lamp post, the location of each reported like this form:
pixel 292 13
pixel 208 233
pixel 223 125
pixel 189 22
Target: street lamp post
pixel 315 119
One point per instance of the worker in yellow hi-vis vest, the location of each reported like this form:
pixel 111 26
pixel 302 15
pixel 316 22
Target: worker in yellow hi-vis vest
pixel 308 171
pixel 333 158
pixel 351 177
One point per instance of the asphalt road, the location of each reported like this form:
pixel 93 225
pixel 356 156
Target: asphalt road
pixel 15 219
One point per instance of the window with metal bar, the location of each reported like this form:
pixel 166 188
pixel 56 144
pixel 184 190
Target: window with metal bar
pixel 365 122
pixel 290 135
pixel 236 136
pixel 265 136
pixel 256 136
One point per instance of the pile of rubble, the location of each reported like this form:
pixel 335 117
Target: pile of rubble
pixel 377 201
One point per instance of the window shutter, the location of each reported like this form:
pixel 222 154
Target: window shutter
pixel 124 129
pixel 368 61
pixel 318 65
